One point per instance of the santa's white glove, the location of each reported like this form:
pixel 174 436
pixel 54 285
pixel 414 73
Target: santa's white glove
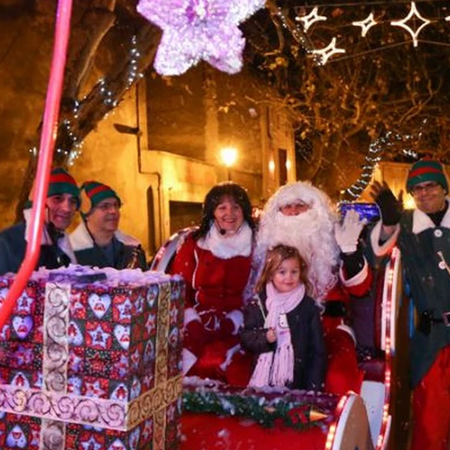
pixel 347 233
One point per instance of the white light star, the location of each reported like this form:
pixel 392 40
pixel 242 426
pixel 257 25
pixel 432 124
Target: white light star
pixel 311 18
pixel 366 24
pixel 403 23
pixel 327 52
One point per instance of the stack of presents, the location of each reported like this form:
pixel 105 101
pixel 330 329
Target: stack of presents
pixel 91 360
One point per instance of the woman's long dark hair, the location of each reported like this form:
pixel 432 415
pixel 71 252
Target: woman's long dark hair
pixel 212 200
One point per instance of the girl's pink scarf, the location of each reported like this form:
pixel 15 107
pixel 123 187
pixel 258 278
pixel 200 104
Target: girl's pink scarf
pixel 277 368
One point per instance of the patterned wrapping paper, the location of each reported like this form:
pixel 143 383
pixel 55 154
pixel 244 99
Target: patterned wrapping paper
pixel 92 365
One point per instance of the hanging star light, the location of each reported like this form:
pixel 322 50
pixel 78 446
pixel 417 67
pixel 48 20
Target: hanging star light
pixel 366 24
pixel 413 14
pixel 311 18
pixel 325 53
pixel 195 30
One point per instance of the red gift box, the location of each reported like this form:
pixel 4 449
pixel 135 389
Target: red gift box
pixel 92 364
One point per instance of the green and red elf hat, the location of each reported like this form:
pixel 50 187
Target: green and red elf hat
pixel 94 192
pixel 60 182
pixel 426 170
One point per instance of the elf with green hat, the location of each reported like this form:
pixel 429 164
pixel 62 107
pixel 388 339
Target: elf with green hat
pixel 97 241
pixel 423 237
pixel 61 205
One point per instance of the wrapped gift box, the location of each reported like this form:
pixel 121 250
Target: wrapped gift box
pixel 92 360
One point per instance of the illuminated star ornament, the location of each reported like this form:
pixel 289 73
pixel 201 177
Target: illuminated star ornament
pixel 195 30
pixel 311 18
pixel 413 14
pixel 365 24
pixel 325 53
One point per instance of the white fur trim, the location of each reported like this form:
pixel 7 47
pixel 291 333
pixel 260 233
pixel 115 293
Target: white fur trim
pixel 81 239
pixel 422 222
pixel 357 279
pixel 237 318
pixel 300 190
pixel 66 247
pixel 191 315
pixel 64 244
pixel 126 239
pixel 229 356
pixel 227 247
pixel 189 359
pixel 386 247
pixel 348 330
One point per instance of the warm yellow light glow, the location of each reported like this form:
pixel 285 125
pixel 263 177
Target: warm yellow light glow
pixel 229 156
pixel 272 166
pixel 288 164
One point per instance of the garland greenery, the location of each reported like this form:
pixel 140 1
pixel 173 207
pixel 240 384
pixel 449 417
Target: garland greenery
pixel 275 412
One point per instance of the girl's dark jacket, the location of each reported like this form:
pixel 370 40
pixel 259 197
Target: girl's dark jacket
pixel 306 336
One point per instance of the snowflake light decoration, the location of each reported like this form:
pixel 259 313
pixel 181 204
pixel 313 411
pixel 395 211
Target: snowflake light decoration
pixel 413 14
pixel 195 30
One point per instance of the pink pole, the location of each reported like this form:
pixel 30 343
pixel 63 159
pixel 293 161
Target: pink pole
pixel 47 145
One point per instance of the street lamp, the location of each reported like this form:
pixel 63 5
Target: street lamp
pixel 228 156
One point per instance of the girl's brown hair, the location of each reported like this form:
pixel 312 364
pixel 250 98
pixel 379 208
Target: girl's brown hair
pixel 274 258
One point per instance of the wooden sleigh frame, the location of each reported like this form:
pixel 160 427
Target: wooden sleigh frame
pixel 360 422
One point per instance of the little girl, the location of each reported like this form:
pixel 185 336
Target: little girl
pixel 282 326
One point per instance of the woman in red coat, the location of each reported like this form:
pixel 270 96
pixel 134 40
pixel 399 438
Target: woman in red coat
pixel 215 262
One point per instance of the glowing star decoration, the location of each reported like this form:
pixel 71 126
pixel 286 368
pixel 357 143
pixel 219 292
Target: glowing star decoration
pixel 366 24
pixel 326 53
pixel 195 30
pixel 413 14
pixel 311 18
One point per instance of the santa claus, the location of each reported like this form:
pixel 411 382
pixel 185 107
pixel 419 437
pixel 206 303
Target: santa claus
pixel 302 216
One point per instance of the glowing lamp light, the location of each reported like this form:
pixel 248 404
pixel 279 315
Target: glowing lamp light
pixel 228 156
pixel 272 166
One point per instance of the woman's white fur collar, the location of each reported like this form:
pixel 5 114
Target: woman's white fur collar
pixel 224 247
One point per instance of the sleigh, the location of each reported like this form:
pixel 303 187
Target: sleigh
pixel 217 416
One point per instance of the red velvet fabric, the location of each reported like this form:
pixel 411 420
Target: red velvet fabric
pixel 343 374
pixel 214 288
pixel 431 406
pixel 210 432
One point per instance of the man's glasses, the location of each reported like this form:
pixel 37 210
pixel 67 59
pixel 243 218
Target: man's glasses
pixel 424 187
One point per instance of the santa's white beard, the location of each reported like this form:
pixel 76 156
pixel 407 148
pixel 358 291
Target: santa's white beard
pixel 296 231
pixel 312 234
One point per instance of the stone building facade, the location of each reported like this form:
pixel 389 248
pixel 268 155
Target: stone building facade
pixel 160 148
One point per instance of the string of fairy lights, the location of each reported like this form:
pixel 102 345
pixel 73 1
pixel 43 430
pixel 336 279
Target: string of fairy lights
pixel 109 98
pixel 301 29
pixel 413 23
pixel 372 158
